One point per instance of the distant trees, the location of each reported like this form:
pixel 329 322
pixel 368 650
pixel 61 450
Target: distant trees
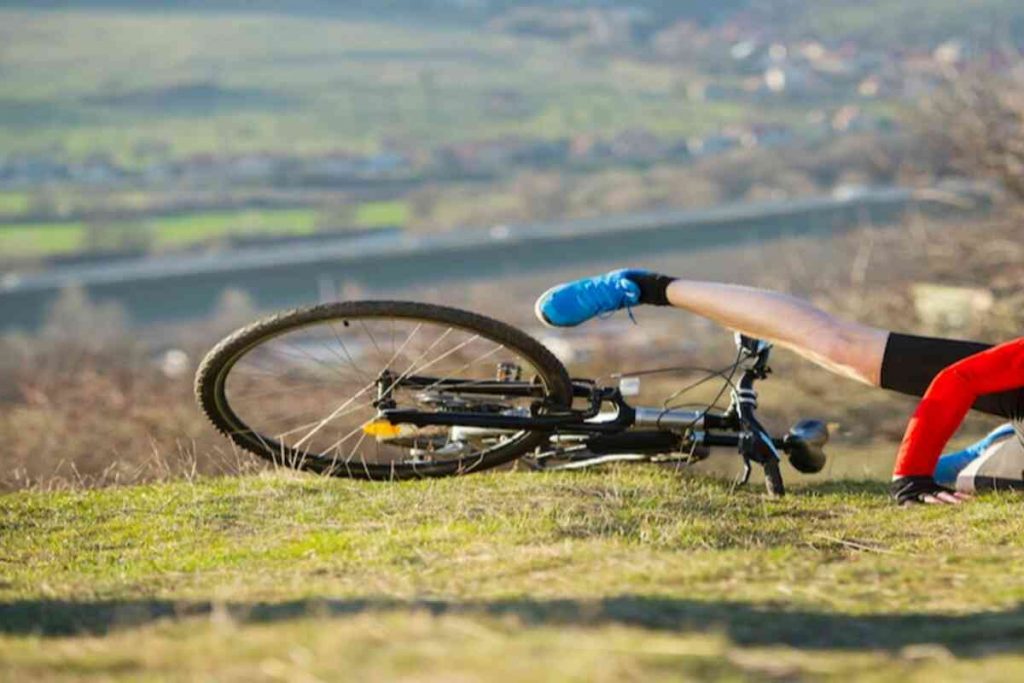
pixel 976 126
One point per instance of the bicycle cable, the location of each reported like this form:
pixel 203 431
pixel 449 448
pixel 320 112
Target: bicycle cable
pixel 728 383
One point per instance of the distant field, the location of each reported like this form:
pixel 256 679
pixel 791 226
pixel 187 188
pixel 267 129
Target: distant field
pixel 41 239
pixel 382 214
pixel 198 227
pixel 13 203
pixel 49 239
pixel 144 85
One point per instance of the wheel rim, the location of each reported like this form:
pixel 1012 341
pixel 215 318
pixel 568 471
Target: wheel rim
pixel 305 395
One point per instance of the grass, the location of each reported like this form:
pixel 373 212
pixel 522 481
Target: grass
pixel 41 239
pixel 13 203
pixel 632 573
pixel 382 214
pixel 208 225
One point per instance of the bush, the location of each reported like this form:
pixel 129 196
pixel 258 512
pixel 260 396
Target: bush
pixel 975 124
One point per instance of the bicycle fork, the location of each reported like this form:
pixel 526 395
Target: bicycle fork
pixel 755 444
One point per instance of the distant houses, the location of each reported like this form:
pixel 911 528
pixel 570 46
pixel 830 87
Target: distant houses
pixel 490 157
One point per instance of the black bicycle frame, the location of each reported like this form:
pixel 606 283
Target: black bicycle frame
pixel 572 421
pixel 629 429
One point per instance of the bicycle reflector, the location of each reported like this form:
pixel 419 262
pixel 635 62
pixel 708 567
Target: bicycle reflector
pixel 382 429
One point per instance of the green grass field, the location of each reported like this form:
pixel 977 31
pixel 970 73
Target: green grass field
pixel 382 214
pixel 13 203
pixel 183 81
pixel 26 240
pixel 139 83
pixel 622 574
pixel 41 239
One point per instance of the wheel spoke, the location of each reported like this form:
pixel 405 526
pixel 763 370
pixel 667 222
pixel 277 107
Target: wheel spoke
pixel 465 367
pixel 305 395
pixel 330 417
pixel 373 340
pixel 311 357
pixel 345 349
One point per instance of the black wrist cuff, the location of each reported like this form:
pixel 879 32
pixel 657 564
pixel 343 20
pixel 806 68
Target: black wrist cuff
pixel 653 288
pixel 913 489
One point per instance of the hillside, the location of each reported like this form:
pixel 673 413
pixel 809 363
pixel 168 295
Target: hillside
pixel 132 128
pixel 618 574
pixel 913 22
pixel 624 574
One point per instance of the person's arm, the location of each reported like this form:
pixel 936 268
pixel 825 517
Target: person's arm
pixel 940 412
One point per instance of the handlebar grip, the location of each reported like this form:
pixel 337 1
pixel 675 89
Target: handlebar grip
pixel 773 479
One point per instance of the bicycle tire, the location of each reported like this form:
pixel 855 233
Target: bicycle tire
pixel 212 374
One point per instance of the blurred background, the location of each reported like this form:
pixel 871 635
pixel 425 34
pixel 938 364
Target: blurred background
pixel 169 171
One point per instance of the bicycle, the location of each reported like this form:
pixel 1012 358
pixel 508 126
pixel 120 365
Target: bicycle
pixel 392 390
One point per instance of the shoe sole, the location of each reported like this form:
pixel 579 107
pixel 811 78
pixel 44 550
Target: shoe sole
pixel 540 316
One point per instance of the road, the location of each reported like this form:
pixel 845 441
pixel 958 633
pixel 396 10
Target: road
pixel 181 287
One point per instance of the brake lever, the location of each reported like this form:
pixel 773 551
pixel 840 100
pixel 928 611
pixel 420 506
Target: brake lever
pixel 754 349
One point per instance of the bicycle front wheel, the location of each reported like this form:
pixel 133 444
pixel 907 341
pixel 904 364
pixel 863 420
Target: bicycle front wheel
pixel 305 388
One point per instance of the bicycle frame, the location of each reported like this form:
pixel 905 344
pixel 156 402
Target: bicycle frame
pixel 588 422
pixel 631 429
